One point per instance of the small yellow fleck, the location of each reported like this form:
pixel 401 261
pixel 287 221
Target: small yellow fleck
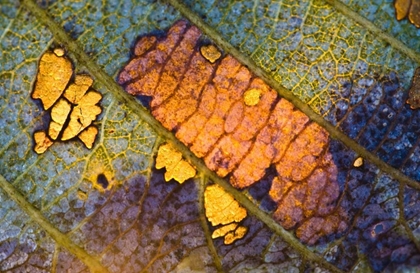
pixel 252 97
pixel 42 142
pixel 59 114
pixel 235 235
pixel 82 195
pixel 59 52
pixel 88 136
pixel 211 53
pixel 358 162
pixel 176 168
pixel 220 232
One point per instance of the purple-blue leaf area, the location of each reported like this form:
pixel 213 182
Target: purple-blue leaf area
pixel 375 220
pixel 147 226
pixel 68 263
pixel 376 230
pixel 24 246
pixel 379 119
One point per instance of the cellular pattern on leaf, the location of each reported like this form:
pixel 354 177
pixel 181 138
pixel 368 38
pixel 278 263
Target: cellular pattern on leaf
pixel 239 126
pixel 408 9
pixel 157 228
pixel 73 106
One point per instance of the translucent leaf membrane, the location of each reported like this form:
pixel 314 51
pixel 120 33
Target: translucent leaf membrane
pixel 107 30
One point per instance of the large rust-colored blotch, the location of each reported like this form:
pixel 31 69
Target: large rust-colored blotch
pixel 240 126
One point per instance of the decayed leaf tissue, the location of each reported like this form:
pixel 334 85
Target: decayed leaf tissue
pixel 73 106
pixel 239 126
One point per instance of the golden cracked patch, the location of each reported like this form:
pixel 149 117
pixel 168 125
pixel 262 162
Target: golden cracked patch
pixel 54 72
pixel 176 168
pixel 222 209
pixel 74 107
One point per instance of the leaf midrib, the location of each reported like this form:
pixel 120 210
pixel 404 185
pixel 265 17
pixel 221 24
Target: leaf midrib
pixel 108 82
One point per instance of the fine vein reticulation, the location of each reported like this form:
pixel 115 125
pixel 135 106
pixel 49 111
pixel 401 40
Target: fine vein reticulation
pixel 209 107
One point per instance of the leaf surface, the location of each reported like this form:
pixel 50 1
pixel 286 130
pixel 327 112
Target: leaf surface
pixel 354 81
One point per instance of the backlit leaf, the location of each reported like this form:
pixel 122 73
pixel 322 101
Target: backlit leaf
pixel 343 66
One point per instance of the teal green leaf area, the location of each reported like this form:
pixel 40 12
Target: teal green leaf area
pixel 346 65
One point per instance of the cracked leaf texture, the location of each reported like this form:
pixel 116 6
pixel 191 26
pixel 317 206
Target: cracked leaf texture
pixel 209 108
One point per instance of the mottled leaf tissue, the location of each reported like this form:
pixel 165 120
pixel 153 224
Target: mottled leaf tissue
pixel 276 136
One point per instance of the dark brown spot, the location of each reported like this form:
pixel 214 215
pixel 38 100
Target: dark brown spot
pixel 102 180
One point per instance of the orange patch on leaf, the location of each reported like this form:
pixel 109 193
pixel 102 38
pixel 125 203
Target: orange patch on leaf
pixel 241 127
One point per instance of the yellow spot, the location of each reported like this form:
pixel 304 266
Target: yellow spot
pixel 220 232
pixel 252 97
pixel 78 89
pixel 211 53
pixel 42 142
pixel 176 168
pixel 83 114
pixel 99 171
pixel 358 162
pixel 223 209
pixel 53 75
pixel 235 235
pixel 59 114
pixel 82 195
pixel 88 136
pixel 59 52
